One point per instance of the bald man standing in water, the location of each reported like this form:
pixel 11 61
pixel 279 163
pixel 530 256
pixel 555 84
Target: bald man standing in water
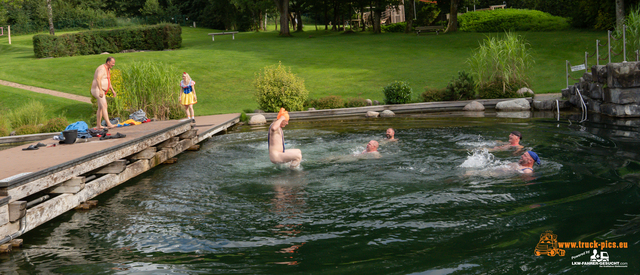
pixel 277 153
pixel 99 87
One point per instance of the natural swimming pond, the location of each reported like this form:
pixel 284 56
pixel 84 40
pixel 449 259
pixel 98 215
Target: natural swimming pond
pixel 227 209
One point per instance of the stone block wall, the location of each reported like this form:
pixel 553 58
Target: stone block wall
pixel 612 89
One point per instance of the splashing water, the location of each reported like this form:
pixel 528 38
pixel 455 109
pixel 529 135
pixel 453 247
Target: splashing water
pixel 480 158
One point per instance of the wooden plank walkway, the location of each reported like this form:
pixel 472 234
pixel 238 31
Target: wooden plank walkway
pixel 70 175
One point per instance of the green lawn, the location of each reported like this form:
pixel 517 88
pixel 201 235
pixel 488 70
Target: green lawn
pixel 11 98
pixel 349 65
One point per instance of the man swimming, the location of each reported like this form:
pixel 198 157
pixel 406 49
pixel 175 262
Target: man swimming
pixel 391 135
pixel 275 138
pixel 525 164
pixel 514 142
pixel 371 150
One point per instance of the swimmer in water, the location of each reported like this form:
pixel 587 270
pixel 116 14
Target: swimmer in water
pixel 391 135
pixel 275 137
pixel 523 166
pixel 371 150
pixel 514 142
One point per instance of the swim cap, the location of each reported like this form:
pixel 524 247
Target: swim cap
pixel 534 156
pixel 283 113
pixel 517 134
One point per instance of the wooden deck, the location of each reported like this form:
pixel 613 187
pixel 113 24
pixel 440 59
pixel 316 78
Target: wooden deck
pixel 69 175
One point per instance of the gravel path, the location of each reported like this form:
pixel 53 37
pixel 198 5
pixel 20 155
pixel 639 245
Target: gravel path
pixel 84 99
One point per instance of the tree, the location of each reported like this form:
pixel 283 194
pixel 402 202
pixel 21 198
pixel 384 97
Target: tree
pixel 283 8
pixel 453 16
pixel 619 13
pixel 408 15
pixel 151 7
pixel 50 13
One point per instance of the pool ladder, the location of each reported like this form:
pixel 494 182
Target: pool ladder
pixel 583 106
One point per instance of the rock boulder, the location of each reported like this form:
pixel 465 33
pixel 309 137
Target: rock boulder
pixel 257 120
pixel 387 113
pixel 519 104
pixel 372 114
pixel 474 106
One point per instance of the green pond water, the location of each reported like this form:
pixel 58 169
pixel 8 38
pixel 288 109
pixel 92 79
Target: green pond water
pixel 227 209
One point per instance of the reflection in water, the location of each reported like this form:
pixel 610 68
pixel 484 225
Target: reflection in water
pixel 288 205
pixel 228 209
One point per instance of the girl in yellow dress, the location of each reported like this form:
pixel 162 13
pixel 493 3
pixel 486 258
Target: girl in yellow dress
pixel 188 95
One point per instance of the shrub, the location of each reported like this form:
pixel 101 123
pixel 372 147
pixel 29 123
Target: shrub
pixel 4 126
pixel 499 20
pixel 329 102
pixel 32 113
pixel 247 111
pixel 27 130
pixel 497 89
pixel 462 88
pixel 398 92
pixel 57 124
pixel 356 102
pixel 277 87
pixel 155 38
pixel 244 117
pixel 435 94
pixel 395 27
pixel 506 60
pixel 633 34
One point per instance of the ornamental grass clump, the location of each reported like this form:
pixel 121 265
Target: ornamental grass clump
pixel 276 87
pixel 632 21
pixel 32 113
pixel 150 86
pixel 503 61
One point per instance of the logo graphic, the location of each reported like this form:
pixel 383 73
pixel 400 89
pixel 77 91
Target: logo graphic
pixel 603 257
pixel 548 245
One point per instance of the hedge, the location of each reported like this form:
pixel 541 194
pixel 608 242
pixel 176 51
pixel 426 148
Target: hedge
pixel 154 38
pixel 510 20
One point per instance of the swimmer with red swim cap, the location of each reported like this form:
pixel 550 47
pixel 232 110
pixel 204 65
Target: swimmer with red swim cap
pixel 277 153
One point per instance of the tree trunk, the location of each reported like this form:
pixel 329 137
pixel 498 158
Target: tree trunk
pixel 376 20
pixel 283 7
pixel 453 17
pixel 619 14
pixel 408 15
pixel 326 15
pixel 299 17
pixel 336 17
pixel 50 11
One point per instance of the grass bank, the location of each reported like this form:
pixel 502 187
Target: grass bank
pixel 12 98
pixel 348 65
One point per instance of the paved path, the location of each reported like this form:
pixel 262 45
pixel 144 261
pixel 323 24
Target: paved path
pixel 84 99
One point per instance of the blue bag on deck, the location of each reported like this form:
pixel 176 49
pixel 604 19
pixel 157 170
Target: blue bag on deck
pixel 81 126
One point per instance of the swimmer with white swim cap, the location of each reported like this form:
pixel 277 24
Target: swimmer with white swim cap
pixel 277 153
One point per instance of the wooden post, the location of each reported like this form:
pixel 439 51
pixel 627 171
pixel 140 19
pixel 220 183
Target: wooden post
pixel 16 243
pixel 148 153
pixel 113 168
pixel 17 210
pixel 9 33
pixel 71 186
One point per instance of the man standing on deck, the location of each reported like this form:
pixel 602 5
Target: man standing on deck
pixel 277 153
pixel 99 87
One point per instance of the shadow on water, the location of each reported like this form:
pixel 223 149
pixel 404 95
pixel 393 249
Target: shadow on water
pixel 227 209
